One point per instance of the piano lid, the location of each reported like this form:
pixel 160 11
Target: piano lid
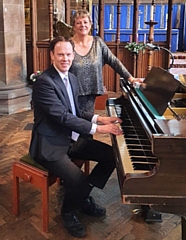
pixel 160 88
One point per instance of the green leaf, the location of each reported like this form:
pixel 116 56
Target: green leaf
pixel 135 47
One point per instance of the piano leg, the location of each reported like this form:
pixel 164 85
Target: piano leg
pixel 183 226
pixel 150 215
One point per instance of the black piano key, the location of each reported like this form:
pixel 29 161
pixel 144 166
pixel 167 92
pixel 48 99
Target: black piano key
pixel 141 166
pixel 136 136
pixel 140 153
pixel 136 141
pixel 133 146
pixel 127 122
pixel 146 160
pixel 133 129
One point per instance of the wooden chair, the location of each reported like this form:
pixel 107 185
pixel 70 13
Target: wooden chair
pixel 30 171
pixel 100 102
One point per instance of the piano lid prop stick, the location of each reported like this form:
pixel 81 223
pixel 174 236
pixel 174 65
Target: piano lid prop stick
pixel 178 117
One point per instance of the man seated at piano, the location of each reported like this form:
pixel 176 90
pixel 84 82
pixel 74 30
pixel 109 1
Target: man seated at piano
pixel 61 133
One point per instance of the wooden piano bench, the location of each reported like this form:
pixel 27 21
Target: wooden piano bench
pixel 30 171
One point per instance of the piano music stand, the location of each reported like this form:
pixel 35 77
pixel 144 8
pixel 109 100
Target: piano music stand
pixel 160 88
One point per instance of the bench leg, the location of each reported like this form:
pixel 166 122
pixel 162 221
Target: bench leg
pixel 45 204
pixel 87 168
pixel 79 163
pixel 16 200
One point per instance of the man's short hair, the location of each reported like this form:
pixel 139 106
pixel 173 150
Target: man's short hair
pixel 60 39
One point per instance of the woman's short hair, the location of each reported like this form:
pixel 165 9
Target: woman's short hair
pixel 81 14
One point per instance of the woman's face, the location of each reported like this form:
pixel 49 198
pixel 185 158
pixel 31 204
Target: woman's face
pixel 82 25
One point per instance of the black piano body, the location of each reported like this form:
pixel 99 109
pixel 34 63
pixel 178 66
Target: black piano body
pixel 151 156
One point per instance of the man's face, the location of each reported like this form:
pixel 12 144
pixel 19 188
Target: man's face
pixel 62 56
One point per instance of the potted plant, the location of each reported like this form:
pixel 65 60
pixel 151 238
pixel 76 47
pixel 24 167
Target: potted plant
pixel 135 47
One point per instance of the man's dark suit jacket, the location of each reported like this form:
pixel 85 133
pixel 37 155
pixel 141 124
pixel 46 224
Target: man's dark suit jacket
pixel 53 118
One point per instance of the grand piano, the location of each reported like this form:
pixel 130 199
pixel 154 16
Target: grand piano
pixel 151 154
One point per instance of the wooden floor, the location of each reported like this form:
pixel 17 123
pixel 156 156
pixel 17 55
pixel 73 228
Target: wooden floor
pixel 119 224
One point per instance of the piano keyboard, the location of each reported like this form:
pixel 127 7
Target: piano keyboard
pixel 134 146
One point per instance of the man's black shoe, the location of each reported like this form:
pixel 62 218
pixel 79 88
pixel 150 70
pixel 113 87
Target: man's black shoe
pixel 73 225
pixel 91 208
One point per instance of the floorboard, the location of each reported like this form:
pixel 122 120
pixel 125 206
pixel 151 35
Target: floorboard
pixel 119 224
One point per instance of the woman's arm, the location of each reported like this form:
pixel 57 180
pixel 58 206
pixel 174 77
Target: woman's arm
pixel 110 59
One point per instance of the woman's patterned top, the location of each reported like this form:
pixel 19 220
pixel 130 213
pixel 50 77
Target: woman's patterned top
pixel 88 68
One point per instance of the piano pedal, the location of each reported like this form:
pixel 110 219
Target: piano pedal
pixel 136 211
pixel 150 215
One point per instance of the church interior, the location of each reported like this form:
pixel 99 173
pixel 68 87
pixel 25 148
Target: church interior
pixel 26 30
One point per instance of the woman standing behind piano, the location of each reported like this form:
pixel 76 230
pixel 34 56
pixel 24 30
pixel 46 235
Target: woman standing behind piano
pixel 91 54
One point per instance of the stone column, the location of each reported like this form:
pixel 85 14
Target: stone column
pixel 14 93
